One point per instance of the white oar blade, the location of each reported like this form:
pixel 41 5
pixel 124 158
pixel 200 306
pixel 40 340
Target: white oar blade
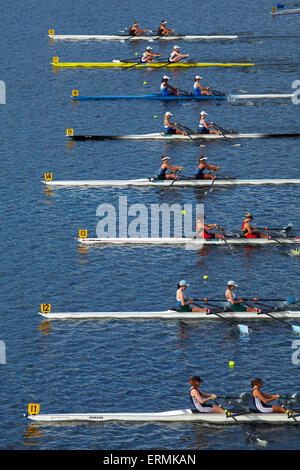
pixel 244 330
pixel 296 329
pixel 261 442
pixel 294 252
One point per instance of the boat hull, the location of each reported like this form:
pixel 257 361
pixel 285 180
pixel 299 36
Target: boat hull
pixel 169 315
pixel 146 182
pixel 151 97
pixel 181 137
pixel 148 64
pixel 192 243
pixel 167 416
pixel 116 37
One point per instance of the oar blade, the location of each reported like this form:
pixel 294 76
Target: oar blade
pixel 291 300
pixel 244 330
pixel 296 329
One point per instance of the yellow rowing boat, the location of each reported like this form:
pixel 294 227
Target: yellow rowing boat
pixel 120 64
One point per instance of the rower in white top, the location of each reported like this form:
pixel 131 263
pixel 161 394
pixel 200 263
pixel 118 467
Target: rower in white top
pixel 148 55
pixel 166 89
pixel 175 56
pixel 200 89
pixel 171 127
pixel 207 127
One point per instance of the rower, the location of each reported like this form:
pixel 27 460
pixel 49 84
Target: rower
pixel 183 304
pixel 162 172
pixel 199 89
pixel 200 175
pixel 251 232
pixel 175 56
pixel 261 400
pixel 148 55
pixel 200 399
pixel 163 30
pixel 135 30
pixel 166 89
pixel 205 127
pixel 171 127
pixel 236 303
pixel 202 229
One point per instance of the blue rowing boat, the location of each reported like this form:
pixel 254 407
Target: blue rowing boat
pixel 149 97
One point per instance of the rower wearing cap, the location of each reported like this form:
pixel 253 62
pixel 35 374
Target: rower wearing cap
pixel 251 232
pixel 199 89
pixel 200 399
pixel 202 229
pixel 171 127
pixel 148 55
pixel 175 56
pixel 183 304
pixel 205 127
pixel 135 30
pixel 200 175
pixel 166 89
pixel 236 303
pixel 162 172
pixel 163 30
pixel 261 400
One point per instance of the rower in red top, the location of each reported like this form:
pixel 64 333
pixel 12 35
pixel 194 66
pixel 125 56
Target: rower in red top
pixel 135 30
pixel 163 30
pixel 202 229
pixel 148 55
pixel 251 232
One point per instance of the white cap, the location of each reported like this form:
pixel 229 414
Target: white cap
pixel 203 113
pixel 176 47
pixel 148 47
pixel 232 283
pixel 168 113
pixel 198 77
pixel 165 77
pixel 164 157
pixel 183 283
pixel 202 158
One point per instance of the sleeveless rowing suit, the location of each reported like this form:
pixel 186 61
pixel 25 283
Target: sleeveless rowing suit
pixel 197 91
pixel 206 235
pixel 206 408
pixel 164 90
pixel 146 58
pixel 260 406
pixel 173 57
pixel 161 174
pixel 132 32
pixel 169 130
pixel 247 234
pixel 182 308
pixel 199 175
pixel 235 307
pixel 202 128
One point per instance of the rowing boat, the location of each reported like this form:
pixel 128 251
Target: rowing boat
pixel 118 37
pixel 286 12
pixel 120 64
pixel 154 183
pixel 190 137
pixel 167 416
pixel 190 242
pixel 169 315
pixel 158 97
pixel 152 96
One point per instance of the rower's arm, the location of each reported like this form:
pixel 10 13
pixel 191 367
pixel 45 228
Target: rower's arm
pixel 263 397
pixel 212 167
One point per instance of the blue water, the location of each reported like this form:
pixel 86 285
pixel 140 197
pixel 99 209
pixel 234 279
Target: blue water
pixel 136 366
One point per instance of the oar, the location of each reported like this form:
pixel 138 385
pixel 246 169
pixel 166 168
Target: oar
pixel 225 241
pixel 282 5
pixel 250 434
pixel 288 228
pixel 295 328
pixel 188 130
pixel 173 181
pixel 291 251
pixel 291 414
pixel 244 330
pixel 223 132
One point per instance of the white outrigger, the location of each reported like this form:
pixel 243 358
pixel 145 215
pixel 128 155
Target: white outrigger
pixel 195 243
pixel 167 416
pixel 171 315
pixel 154 183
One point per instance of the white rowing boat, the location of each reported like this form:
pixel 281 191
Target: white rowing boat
pixel 170 315
pixel 192 243
pixel 189 138
pixel 233 97
pixel 166 416
pixel 127 38
pixel 150 182
pixel 286 12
